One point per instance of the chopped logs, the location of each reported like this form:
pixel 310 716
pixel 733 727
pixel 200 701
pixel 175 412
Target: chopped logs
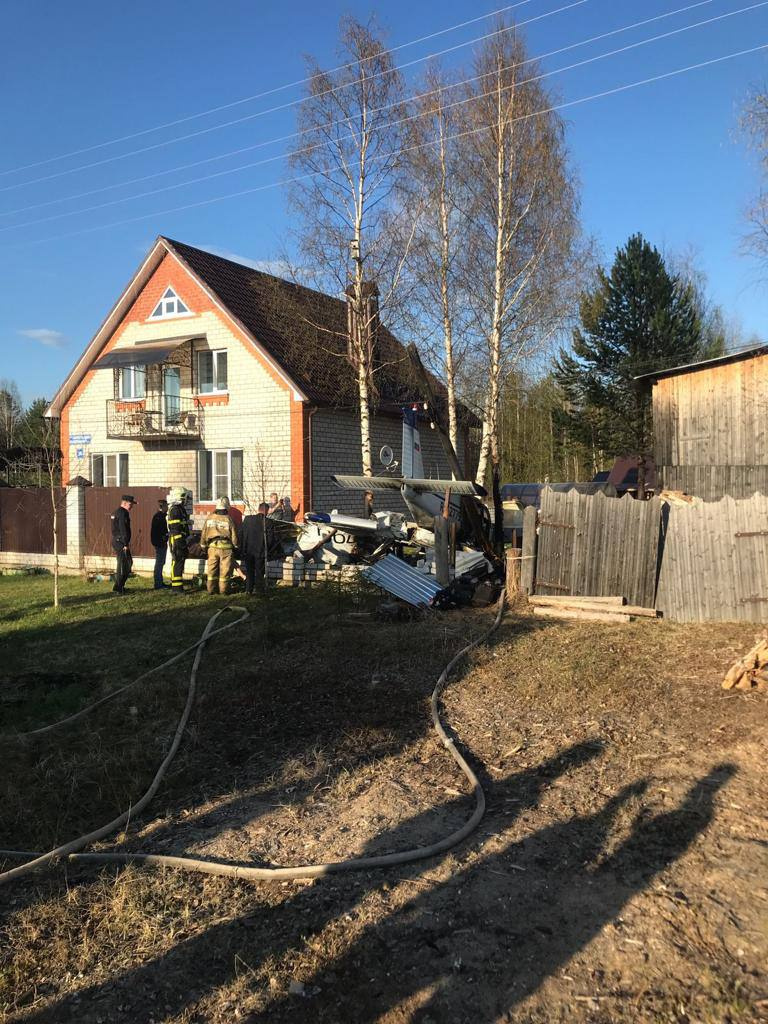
pixel 751 671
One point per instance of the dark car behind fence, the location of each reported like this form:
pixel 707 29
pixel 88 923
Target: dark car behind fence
pixel 26 519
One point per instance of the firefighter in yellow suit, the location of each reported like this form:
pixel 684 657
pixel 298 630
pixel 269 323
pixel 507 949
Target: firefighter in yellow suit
pixel 178 532
pixel 219 538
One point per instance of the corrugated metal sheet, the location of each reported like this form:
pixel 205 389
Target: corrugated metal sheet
pixel 26 520
pixel 101 502
pixel 403 581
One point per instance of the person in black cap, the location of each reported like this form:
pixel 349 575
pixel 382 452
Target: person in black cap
pixel 158 534
pixel 121 541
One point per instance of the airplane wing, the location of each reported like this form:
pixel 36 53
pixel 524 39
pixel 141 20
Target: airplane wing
pixel 394 483
pixel 368 483
pixel 441 486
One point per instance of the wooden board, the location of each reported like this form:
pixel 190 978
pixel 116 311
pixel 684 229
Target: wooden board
pixel 574 613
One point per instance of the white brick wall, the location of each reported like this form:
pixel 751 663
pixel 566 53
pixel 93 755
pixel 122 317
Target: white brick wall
pixel 256 418
pixel 336 449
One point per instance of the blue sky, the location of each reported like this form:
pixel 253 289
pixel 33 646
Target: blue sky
pixel 664 159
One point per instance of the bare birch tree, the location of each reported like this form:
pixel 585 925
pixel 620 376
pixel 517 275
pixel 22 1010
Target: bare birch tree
pixel 754 123
pixel 43 457
pixel 434 179
pixel 347 160
pixel 523 242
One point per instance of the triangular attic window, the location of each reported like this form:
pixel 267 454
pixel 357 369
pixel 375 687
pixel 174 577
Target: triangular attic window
pixel 169 305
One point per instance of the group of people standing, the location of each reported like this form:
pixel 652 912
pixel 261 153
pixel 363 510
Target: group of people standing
pixel 223 542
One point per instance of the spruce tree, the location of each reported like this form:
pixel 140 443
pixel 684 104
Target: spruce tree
pixel 638 318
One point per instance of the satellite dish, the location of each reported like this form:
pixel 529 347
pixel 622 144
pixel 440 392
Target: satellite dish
pixel 386 456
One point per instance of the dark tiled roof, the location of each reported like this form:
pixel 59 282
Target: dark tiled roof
pixel 305 331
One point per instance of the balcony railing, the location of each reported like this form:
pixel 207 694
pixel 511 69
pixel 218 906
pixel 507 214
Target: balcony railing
pixel 157 417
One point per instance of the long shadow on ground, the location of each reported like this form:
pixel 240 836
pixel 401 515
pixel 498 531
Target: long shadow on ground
pixel 492 947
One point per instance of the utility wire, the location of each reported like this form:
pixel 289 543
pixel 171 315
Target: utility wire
pixel 391 124
pixel 258 95
pixel 282 106
pixel 472 131
pixel 376 110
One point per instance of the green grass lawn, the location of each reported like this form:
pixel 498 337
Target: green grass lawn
pixel 54 661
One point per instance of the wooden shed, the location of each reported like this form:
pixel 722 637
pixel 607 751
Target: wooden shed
pixel 710 423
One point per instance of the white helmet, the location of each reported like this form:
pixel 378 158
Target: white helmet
pixel 177 496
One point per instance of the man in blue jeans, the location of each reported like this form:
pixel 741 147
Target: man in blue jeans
pixel 159 538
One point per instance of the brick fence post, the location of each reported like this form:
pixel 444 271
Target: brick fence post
pixel 75 510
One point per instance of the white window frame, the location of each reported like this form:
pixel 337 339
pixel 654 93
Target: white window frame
pixel 168 307
pixel 215 354
pixel 211 454
pixel 118 463
pixel 132 373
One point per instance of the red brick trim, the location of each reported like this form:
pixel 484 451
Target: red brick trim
pixel 300 467
pixel 64 442
pixel 212 399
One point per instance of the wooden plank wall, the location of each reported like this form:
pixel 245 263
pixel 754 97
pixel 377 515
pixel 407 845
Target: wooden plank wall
pixel 713 417
pixel 715 562
pixel 715 482
pixel 598 546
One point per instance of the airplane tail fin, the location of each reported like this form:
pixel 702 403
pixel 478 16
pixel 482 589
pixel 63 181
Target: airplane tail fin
pixel 412 462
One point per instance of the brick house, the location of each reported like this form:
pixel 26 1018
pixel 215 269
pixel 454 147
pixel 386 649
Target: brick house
pixel 217 377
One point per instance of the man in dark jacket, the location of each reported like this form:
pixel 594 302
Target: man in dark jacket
pixel 121 541
pixel 159 537
pixel 257 536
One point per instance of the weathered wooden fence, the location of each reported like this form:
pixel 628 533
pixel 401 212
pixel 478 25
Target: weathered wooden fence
pixel 101 502
pixel 593 545
pixel 703 562
pixel 714 482
pixel 26 519
pixel 715 561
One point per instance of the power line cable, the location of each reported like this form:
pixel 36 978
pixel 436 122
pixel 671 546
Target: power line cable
pixel 432 92
pixel 391 124
pixel 283 106
pixel 472 131
pixel 258 95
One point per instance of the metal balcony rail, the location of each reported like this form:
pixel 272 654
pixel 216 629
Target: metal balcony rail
pixel 156 417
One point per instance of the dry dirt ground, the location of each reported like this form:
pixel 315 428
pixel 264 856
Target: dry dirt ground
pixel 620 873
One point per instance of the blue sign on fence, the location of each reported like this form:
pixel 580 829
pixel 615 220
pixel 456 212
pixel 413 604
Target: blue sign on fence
pixel 79 438
pixel 79 453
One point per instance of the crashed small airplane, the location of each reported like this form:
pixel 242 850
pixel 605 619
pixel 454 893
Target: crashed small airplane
pixel 423 496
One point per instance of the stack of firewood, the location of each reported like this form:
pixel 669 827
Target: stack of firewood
pixel 751 671
pixel 594 609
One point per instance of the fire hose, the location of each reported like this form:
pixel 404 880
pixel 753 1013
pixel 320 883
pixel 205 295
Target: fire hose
pixel 71 851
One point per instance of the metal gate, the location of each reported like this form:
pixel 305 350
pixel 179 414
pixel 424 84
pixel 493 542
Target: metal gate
pixel 101 502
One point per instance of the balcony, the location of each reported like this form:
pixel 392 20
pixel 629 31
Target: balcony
pixel 158 417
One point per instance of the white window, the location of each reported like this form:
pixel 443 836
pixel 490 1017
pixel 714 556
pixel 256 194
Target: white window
pixel 219 473
pixel 169 305
pixel 132 379
pixel 212 372
pixel 109 470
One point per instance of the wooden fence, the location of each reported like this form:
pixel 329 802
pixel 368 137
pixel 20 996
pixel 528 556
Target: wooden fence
pixel 703 562
pixel 591 544
pixel 715 561
pixel 714 482
pixel 101 502
pixel 26 520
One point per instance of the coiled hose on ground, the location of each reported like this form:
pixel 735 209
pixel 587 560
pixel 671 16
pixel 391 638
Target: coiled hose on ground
pixel 71 851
